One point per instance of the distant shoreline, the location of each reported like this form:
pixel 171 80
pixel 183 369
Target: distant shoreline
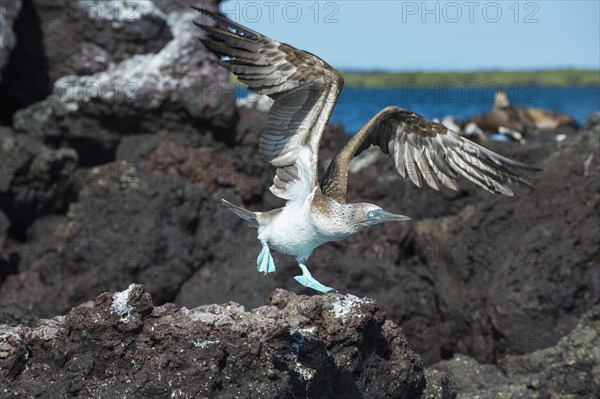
pixel 408 80
pixel 554 78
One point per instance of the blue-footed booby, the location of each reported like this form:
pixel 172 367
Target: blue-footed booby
pixel 514 122
pixel 305 89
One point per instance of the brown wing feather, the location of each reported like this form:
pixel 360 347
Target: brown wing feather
pixel 304 87
pixel 425 151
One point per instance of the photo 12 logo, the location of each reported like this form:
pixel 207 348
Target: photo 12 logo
pixel 91 10
pixel 470 11
pixel 72 90
pixel 249 12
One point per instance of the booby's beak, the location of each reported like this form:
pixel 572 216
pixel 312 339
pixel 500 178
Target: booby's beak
pixel 381 216
pixel 391 217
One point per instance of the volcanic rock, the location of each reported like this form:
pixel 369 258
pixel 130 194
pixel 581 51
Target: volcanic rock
pixel 9 11
pixel 568 369
pixel 4 225
pixel 86 37
pixel 592 122
pixel 126 226
pixel 513 275
pixel 23 68
pixel 35 180
pixel 179 88
pixel 296 346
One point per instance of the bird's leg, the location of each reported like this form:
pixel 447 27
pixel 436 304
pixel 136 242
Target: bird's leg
pixel 264 262
pixel 309 281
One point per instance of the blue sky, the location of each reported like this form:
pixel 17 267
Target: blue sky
pixel 433 35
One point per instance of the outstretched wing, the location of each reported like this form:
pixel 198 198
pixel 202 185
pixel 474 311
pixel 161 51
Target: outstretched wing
pixel 425 151
pixel 305 90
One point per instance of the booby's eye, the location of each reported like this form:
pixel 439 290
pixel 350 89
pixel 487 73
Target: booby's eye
pixel 371 214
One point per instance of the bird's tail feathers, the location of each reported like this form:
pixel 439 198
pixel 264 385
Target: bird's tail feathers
pixel 250 217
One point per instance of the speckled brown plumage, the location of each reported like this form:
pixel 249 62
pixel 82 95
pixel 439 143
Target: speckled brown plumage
pixel 305 89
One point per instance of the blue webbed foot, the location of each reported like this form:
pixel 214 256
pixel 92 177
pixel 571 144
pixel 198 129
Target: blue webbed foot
pixel 308 280
pixel 264 262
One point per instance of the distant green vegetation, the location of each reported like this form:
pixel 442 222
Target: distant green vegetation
pixel 502 78
pixel 557 78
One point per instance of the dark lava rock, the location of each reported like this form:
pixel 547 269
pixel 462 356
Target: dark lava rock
pixel 9 10
pixel 86 37
pixel 4 225
pixel 295 347
pixel 567 370
pixel 209 164
pixel 140 95
pixel 208 168
pixel 5 268
pixel 592 122
pixel 513 275
pixel 23 68
pixel 438 385
pixel 14 313
pixel 126 226
pixel 6 265
pixel 168 6
pixel 34 180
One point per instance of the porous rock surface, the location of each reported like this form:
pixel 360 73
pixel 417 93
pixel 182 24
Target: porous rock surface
pixel 34 179
pixel 23 67
pixel 9 11
pixel 570 369
pixel 148 230
pixel 178 88
pixel 85 37
pixel 121 345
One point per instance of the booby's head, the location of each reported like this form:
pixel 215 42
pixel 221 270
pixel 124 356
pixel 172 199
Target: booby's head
pixel 374 215
pixel 501 99
pixel 369 215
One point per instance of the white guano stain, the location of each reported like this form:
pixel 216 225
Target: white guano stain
pixel 204 344
pixel 342 307
pixel 121 305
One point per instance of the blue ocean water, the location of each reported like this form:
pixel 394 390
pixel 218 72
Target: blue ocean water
pixel 357 105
